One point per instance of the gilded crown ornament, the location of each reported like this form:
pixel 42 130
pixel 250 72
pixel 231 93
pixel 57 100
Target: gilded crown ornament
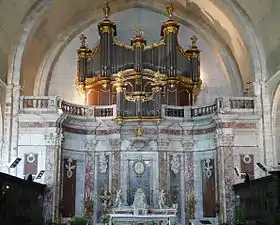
pixel 139 32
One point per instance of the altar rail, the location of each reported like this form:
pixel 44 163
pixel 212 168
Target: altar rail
pixel 49 104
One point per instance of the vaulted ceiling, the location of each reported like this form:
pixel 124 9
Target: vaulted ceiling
pixel 55 22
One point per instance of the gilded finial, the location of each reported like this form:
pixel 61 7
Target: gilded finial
pixel 170 10
pixel 139 32
pixel 83 40
pixel 106 11
pixel 194 40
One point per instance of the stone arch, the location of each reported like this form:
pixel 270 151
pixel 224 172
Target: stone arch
pixel 46 68
pixel 29 27
pixel 257 51
pixel 275 116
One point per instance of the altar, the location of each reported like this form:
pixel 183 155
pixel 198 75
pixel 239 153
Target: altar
pixel 165 219
pixel 140 212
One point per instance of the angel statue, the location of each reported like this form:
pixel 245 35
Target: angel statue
pixel 105 197
pixel 118 201
pixel 162 199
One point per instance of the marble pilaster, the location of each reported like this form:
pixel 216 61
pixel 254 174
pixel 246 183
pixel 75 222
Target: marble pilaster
pixel 80 188
pixel 49 206
pixel 7 127
pixel 189 165
pixel 89 173
pixel 226 177
pixel 189 182
pixel 229 181
pixel 15 124
pixel 116 169
pixel 163 171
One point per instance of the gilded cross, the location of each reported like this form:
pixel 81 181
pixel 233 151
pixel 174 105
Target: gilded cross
pixel 106 10
pixel 170 10
pixel 194 40
pixel 83 39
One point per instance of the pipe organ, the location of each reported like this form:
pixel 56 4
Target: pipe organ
pixel 139 78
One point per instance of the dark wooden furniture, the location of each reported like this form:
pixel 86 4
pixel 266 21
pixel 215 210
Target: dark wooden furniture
pixel 21 201
pixel 258 200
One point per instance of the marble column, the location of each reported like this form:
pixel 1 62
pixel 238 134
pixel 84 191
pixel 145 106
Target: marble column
pixel 7 127
pixel 116 157
pixel 89 183
pixel 15 126
pixel 226 177
pixel 189 182
pixel 163 171
pixel 182 190
pixel 80 188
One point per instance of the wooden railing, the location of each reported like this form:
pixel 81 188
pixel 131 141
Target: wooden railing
pixel 49 104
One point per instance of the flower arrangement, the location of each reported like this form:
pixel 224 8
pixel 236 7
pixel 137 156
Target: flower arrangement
pixel 191 206
pixel 106 219
pixel 88 205
pixel 79 221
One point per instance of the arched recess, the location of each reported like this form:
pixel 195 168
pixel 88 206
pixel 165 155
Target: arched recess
pixel 225 57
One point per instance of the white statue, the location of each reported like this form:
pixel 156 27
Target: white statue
pixel 162 199
pixel 140 200
pixel 105 197
pixel 118 200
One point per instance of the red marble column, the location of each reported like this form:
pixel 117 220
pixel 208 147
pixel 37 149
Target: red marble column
pixel 89 179
pixel 50 182
pixel 69 188
pixel 229 181
pixel 189 185
pixel 208 187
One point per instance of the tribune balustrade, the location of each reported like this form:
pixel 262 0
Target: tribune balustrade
pixel 53 104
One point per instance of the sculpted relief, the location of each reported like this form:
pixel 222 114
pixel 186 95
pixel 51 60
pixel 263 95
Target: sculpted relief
pixel 139 145
pixel 103 163
pixel 175 164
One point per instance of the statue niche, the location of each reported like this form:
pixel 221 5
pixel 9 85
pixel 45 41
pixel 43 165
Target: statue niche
pixel 139 78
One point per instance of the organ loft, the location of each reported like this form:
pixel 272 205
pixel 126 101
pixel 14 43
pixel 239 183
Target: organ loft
pixel 139 78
